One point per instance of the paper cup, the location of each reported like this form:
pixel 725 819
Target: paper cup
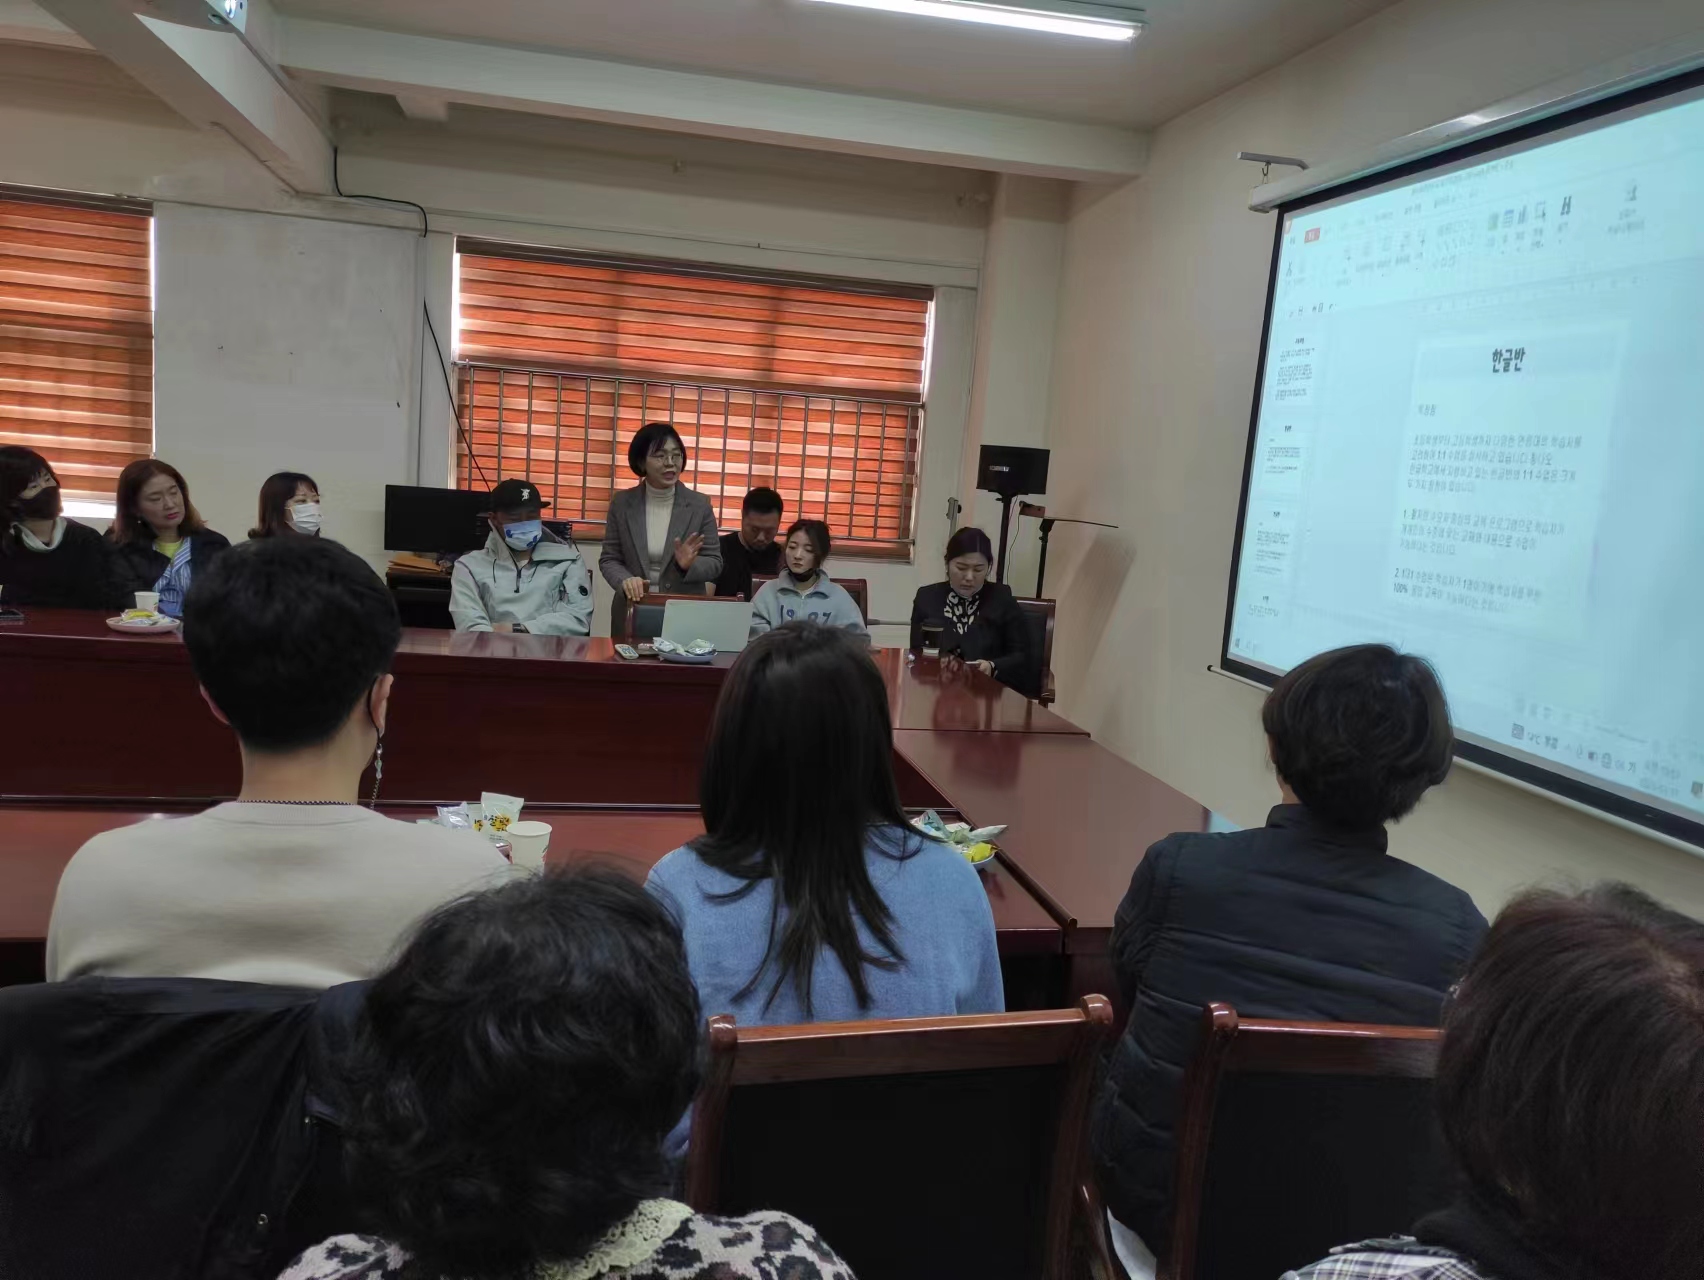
pixel 149 600
pixel 530 841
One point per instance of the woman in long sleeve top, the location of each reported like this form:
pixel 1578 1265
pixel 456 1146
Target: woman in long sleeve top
pixel 659 535
pixel 803 590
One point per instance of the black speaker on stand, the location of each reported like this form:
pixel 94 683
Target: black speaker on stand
pixel 1011 471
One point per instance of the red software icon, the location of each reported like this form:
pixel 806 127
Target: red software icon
pixel 1311 236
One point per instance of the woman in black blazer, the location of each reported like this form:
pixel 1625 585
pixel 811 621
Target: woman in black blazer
pixel 980 620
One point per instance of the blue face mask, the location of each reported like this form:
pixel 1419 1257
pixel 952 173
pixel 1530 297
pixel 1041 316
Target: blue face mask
pixel 524 535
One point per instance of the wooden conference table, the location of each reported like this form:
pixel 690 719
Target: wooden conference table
pixel 606 750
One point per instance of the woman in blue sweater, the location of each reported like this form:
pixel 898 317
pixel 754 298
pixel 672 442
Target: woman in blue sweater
pixel 810 898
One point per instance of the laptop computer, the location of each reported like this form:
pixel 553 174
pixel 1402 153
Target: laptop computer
pixel 724 623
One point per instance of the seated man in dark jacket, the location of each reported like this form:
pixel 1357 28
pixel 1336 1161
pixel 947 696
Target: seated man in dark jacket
pixel 1306 918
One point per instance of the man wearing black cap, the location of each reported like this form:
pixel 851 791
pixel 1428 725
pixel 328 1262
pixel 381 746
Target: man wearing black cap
pixel 524 578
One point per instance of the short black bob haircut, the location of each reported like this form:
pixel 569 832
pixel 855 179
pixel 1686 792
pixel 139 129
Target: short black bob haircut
pixel 1571 1081
pixel 764 501
pixel 288 635
pixel 1360 734
pixel 650 438
pixel 969 541
pixel 516 1070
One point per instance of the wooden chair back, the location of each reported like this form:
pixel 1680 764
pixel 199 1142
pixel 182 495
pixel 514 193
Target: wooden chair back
pixel 643 620
pixel 1295 1137
pixel 857 588
pixel 919 1148
pixel 1041 615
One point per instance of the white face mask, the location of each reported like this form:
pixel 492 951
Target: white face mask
pixel 305 517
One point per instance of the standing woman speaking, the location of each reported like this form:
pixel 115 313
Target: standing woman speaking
pixel 660 536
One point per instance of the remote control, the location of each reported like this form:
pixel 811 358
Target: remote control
pixel 627 651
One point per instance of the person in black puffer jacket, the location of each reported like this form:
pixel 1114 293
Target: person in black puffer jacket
pixel 158 540
pixel 1306 918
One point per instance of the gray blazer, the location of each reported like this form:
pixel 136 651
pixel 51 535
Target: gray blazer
pixel 624 540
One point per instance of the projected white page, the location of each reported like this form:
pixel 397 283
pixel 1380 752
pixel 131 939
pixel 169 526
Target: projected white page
pixel 1481 438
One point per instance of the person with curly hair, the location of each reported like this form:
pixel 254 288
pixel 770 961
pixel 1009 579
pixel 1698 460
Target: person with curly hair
pixel 514 1074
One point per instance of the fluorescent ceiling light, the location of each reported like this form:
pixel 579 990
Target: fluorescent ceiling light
pixel 1061 24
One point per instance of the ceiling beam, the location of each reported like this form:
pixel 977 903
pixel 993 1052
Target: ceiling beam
pixel 214 78
pixel 583 88
pixel 424 106
pixel 24 22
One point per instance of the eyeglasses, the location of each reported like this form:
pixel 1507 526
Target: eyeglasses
pixel 670 455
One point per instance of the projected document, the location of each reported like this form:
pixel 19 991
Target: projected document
pixel 1480 437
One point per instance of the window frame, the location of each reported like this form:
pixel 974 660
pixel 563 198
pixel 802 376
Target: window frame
pixel 103 506
pixel 831 402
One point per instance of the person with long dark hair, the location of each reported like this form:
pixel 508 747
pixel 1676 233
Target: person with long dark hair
pixel 978 621
pixel 803 591
pixel 1571 1091
pixel 809 897
pixel 289 504
pixel 158 540
pixel 513 1073
pixel 46 561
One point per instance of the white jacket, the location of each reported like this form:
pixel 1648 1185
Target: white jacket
pixel 549 595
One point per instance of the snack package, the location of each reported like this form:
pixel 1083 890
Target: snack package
pixel 456 817
pixel 930 824
pixel 498 812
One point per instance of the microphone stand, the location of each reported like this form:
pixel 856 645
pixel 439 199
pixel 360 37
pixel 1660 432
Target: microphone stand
pixel 1047 523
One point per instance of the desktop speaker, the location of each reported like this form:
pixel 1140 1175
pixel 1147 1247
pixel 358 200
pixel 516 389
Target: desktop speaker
pixel 1011 470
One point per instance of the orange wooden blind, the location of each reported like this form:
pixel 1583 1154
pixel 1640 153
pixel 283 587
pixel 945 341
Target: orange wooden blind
pixel 811 390
pixel 76 340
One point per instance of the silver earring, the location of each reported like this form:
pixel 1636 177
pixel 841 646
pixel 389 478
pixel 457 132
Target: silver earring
pixel 378 772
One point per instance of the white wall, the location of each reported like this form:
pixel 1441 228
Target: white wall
pixel 1160 320
pixel 286 344
pixel 1014 350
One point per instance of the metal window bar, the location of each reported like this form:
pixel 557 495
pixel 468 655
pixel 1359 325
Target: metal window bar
pixel 531 406
pixel 767 413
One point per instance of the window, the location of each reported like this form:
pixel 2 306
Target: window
pixel 77 338
pixel 812 387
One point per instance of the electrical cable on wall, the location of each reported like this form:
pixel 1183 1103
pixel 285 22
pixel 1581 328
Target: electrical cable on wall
pixel 426 310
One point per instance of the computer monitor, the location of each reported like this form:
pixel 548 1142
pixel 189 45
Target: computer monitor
pixel 436 521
